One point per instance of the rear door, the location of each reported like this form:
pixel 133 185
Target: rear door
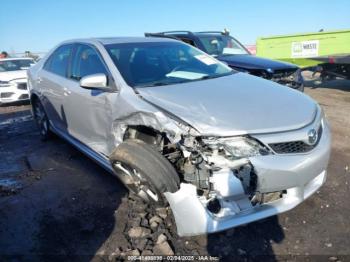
pixel 52 82
pixel 87 111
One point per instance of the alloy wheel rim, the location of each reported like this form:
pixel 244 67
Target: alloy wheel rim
pixel 40 119
pixel 136 183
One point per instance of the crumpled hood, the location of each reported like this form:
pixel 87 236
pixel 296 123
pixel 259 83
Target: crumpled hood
pixel 12 75
pixel 234 105
pixel 255 62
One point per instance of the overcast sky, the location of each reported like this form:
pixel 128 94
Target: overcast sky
pixel 38 25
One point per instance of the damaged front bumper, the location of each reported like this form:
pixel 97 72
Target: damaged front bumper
pixel 298 176
pixel 287 77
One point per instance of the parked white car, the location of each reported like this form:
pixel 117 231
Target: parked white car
pixel 13 79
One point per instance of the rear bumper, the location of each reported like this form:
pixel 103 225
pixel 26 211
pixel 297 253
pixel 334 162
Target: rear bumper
pixel 299 175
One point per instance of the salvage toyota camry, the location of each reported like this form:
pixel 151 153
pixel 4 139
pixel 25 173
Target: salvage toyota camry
pixel 179 127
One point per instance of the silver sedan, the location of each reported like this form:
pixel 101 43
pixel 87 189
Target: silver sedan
pixel 180 128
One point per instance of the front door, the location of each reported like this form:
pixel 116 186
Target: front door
pixel 88 111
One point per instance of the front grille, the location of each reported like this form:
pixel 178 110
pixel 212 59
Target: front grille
pixel 291 147
pixel 283 73
pixel 6 94
pixel 281 76
pixel 295 146
pixel 22 86
pixel 285 77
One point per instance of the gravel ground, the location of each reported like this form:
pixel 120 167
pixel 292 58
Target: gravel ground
pixel 55 202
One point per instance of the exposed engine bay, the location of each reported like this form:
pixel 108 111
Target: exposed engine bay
pixel 219 168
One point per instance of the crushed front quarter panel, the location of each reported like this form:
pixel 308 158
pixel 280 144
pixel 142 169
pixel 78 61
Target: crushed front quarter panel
pixel 131 110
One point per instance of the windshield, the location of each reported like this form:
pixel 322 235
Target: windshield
pixel 163 63
pixel 222 45
pixel 13 65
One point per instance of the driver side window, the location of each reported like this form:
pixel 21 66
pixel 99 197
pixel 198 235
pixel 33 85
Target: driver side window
pixel 86 61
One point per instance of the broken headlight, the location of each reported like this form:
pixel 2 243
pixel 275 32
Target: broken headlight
pixel 237 147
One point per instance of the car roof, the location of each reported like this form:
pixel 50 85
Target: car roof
pixel 210 33
pixel 120 40
pixel 189 33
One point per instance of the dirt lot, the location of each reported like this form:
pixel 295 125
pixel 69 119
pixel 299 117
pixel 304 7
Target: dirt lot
pixel 56 202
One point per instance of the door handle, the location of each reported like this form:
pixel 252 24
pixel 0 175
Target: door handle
pixel 39 80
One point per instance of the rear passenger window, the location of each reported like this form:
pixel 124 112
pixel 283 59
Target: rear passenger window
pixel 86 62
pixel 58 61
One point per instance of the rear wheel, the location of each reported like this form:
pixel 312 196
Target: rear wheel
pixel 41 120
pixel 144 171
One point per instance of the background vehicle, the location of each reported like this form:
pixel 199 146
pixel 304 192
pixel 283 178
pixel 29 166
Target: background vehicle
pixel 173 123
pixel 229 50
pixel 326 52
pixel 13 79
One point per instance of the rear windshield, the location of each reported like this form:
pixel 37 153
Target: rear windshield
pixel 151 64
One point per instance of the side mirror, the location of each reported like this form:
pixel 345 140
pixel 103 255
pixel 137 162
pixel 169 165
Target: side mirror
pixel 96 81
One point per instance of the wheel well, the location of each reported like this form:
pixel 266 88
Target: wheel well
pixel 146 134
pixel 34 98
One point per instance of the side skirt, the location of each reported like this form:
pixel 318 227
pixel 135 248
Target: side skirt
pixel 98 158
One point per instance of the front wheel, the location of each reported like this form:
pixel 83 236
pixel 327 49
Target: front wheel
pixel 41 120
pixel 144 171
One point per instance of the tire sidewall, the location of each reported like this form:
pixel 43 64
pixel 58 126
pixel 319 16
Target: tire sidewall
pixel 162 200
pixel 152 166
pixel 44 132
